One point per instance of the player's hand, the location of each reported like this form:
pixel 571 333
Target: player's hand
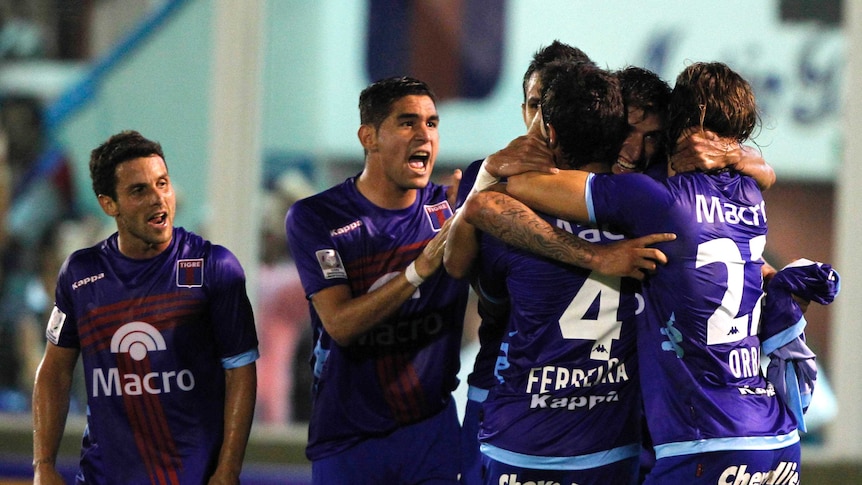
pixel 632 257
pixel 432 255
pixel 526 153
pixel 47 475
pixel 453 182
pixel 705 151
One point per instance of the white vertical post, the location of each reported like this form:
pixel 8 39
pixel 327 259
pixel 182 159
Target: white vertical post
pixel 845 357
pixel 235 125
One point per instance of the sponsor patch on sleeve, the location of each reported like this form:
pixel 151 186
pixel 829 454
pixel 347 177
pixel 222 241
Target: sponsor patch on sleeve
pixel 55 325
pixel 330 263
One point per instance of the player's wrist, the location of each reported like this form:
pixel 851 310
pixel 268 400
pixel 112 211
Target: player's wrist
pixel 413 276
pixel 484 179
pixel 43 462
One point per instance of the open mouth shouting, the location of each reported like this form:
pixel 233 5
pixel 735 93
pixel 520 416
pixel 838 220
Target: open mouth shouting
pixel 419 160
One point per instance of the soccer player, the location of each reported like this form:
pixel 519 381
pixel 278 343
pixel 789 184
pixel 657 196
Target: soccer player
pixel 711 413
pixel 493 304
pixel 568 365
pixel 387 323
pixel 165 331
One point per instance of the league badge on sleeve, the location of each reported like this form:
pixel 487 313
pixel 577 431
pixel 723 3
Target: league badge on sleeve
pixel 330 263
pixel 190 273
pixel 437 214
pixel 55 325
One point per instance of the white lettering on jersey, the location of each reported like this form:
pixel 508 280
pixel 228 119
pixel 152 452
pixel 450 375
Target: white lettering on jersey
pixel 87 280
pixel 134 385
pixel 784 474
pixel 545 379
pixel 727 213
pixel 512 479
pixel 138 339
pixel 345 229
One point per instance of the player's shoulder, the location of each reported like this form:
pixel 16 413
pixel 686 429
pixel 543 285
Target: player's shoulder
pixel 338 195
pixel 86 256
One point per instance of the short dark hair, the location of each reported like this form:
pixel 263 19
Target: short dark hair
pixel 645 90
pixel 713 96
pixel 555 51
pixel 585 106
pixel 376 100
pixel 121 147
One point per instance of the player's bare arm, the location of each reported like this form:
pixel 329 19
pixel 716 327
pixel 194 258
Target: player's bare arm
pixel 706 151
pixel 240 396
pixel 560 195
pixel 50 408
pixel 345 318
pixel 462 247
pixel 514 223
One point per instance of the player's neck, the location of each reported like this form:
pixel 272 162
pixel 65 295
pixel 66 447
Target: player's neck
pixel 134 248
pixel 383 193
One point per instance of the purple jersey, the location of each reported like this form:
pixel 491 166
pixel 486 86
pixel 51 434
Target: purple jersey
pixel 698 345
pixel 569 394
pixel 155 336
pixel 405 369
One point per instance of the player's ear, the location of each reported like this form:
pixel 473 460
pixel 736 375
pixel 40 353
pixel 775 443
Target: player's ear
pixel 108 205
pixel 550 135
pixel 367 137
pixel 537 125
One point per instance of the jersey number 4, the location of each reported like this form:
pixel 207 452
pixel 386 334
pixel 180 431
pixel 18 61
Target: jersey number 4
pixel 605 328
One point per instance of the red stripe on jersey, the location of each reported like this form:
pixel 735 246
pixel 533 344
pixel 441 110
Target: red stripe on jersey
pixel 149 425
pixel 401 387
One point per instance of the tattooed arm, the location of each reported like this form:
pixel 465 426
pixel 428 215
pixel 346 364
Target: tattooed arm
pixel 516 224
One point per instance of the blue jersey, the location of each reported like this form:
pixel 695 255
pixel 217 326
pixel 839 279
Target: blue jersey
pixel 155 336
pixel 403 370
pixel 569 394
pixel 699 348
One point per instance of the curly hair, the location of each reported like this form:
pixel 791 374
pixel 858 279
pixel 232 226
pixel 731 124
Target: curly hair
pixel 585 106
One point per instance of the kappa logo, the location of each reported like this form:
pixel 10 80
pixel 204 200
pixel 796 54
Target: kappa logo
pixel 137 339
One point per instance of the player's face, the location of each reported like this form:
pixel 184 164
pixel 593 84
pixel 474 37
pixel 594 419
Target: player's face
pixel 642 142
pixel 532 99
pixel 407 141
pixel 144 208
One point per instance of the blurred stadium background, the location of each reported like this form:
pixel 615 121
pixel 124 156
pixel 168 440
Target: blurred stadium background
pixel 248 96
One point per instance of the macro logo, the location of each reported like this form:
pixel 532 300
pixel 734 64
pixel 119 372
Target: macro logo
pixel 138 339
